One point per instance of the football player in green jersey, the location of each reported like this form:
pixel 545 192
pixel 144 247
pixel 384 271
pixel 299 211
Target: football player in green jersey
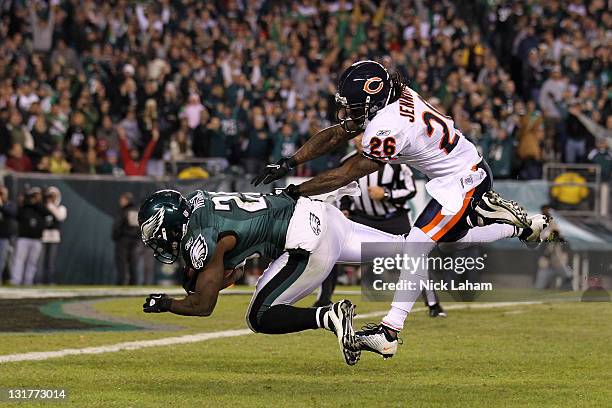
pixel 215 233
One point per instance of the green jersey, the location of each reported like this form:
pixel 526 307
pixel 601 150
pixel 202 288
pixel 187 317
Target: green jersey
pixel 259 223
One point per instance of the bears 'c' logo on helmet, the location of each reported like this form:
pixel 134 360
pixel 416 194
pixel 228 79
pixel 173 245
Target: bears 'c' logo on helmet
pixel 373 85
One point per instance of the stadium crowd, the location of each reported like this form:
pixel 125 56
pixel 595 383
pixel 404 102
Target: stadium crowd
pixel 118 87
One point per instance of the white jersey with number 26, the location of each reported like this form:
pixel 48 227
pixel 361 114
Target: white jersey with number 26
pixel 413 132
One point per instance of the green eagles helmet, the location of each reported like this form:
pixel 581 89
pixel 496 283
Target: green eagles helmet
pixel 163 219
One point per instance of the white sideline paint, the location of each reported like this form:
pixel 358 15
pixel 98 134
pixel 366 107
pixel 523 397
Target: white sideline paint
pixel 457 307
pixel 195 338
pixel 130 345
pixel 46 292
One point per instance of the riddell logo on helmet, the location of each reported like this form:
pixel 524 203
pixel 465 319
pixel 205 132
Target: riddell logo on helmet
pixel 373 85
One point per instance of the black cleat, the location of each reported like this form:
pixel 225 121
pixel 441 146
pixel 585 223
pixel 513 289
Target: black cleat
pixel 341 317
pixel 436 311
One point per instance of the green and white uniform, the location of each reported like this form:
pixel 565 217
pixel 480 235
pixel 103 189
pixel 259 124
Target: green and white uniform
pixel 259 223
pixel 305 239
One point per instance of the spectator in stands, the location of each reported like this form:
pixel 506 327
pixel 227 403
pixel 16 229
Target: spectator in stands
pixel 570 191
pixel 28 247
pixel 286 142
pixel 17 160
pixel 500 154
pixel 42 22
pixel 129 129
pixel 551 94
pixel 43 141
pixel 8 227
pixel 257 145
pixel 58 163
pixel 107 132
pixel 602 156
pixel 18 132
pixel 530 135
pixel 120 63
pixel 200 141
pixel 192 111
pixel 110 164
pixel 595 291
pixel 51 236
pixel 126 235
pixel 133 163
pixel 180 147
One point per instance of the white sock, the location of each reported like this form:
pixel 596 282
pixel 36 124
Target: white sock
pixel 396 315
pixel 323 317
pixel 418 244
pixel 431 297
pixel 489 233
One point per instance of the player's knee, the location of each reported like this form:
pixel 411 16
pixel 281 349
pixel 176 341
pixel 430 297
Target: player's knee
pixel 416 234
pixel 265 322
pixel 256 320
pixel 253 322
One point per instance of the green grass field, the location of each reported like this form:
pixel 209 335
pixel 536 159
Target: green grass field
pixel 556 354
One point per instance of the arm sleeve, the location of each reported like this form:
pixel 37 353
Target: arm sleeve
pixel 124 152
pixel 403 187
pixel 382 140
pixel 200 248
pixel 345 203
pixel 148 151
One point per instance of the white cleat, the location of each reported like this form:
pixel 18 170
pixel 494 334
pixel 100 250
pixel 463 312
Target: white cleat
pixel 493 209
pixel 341 317
pixel 376 339
pixel 532 236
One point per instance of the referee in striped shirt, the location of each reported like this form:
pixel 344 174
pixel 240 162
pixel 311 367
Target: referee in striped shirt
pixel 383 204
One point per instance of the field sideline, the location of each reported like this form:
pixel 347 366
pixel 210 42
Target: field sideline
pixel 554 354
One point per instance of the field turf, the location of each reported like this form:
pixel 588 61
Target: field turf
pixel 554 354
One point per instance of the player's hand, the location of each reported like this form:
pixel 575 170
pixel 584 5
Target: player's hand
pixel 273 172
pixel 376 193
pixel 157 303
pixel 292 191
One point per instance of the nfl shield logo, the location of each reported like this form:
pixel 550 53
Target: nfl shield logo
pixel 315 224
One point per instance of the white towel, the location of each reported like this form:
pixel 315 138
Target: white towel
pixel 351 189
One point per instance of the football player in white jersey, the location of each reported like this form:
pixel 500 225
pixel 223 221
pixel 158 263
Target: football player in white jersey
pixel 399 126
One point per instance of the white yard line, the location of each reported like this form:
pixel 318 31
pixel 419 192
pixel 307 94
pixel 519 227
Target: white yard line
pixel 195 338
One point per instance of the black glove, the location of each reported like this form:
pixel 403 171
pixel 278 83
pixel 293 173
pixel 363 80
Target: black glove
pixel 275 171
pixel 157 303
pixel 292 191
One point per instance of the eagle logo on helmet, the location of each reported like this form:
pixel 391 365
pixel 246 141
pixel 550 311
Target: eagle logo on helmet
pixel 150 227
pixel 371 86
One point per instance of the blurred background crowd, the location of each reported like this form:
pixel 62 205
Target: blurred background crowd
pixel 125 87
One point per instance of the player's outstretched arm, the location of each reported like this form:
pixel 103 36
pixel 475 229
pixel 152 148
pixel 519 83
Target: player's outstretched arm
pixel 202 302
pixel 322 142
pixel 354 168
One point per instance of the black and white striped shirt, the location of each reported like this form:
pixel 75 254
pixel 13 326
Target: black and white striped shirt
pixel 396 179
